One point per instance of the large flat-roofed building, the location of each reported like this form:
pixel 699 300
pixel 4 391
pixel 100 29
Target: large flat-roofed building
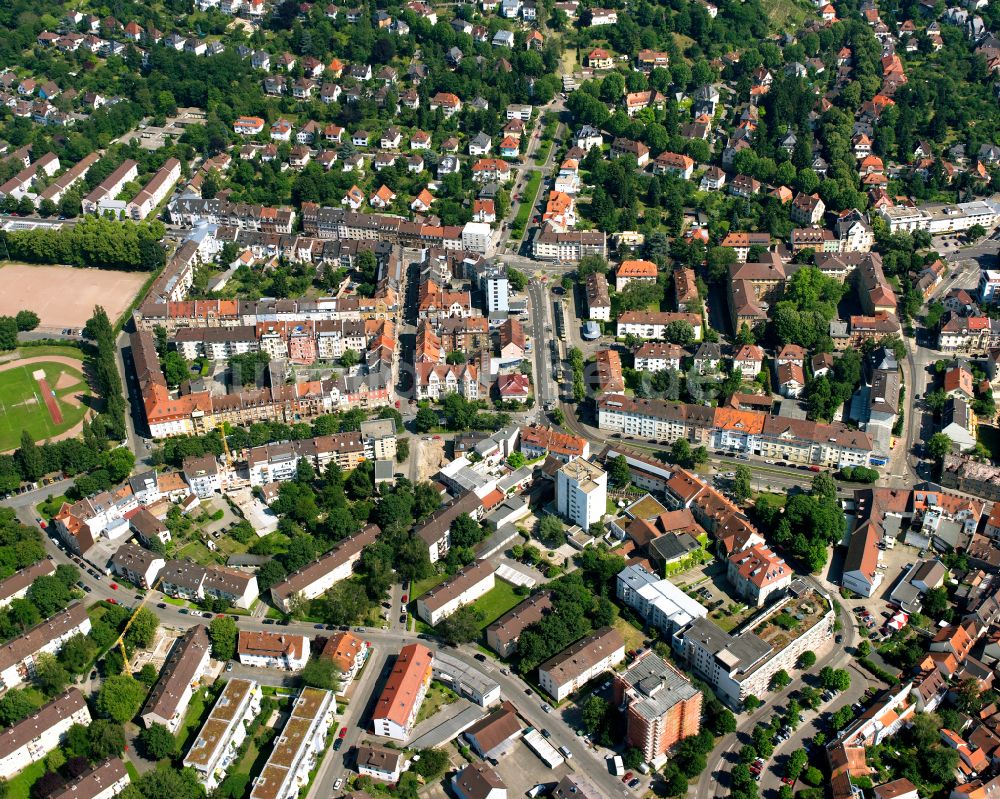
pixel 741 665
pixel 103 781
pixel 222 734
pixel 579 663
pixel 19 657
pixel 465 680
pixel 661 706
pixel 938 218
pixel 316 578
pixel 297 748
pixel 272 650
pixel 581 492
pixel 503 634
pixel 465 587
pixel 397 706
pixel 659 602
pixel 17 585
pixel 187 662
pixel 31 739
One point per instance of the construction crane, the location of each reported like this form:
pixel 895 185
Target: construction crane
pixel 225 446
pixel 120 643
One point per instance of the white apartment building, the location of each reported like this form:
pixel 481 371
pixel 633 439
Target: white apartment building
pixel 104 781
pixel 312 580
pixel 379 439
pixel 938 218
pixel 399 703
pixel 298 746
pixel 653 324
pixel 465 587
pixel 19 657
pixel 581 492
pixel 187 662
pixel 272 650
pixel 102 198
pixel 33 738
pixel 659 602
pixel 222 734
pixel 380 763
pixel 477 237
pixel 203 475
pixel 578 664
pixel 17 585
pixel 154 192
pixel 137 565
pixel 738 666
pixel 989 286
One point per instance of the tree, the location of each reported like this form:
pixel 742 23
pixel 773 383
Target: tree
pixel 120 697
pixel 14 706
pixel 595 713
pixel 143 629
pixel 679 332
pixel 8 333
pixel 50 675
pixel 349 358
pixel 517 279
pixel 938 445
pixel 779 680
pixel 175 368
pixel 618 471
pixel 321 673
pixel 551 532
pixel 807 659
pixel 223 633
pixel 158 742
pixel 105 739
pixel 936 603
pixel 425 420
pixel 26 320
pixel 742 488
pixel 168 782
pixel 462 626
pixel 30 457
pixel 796 762
pixel 975 232
pixel 402 450
pixel 148 675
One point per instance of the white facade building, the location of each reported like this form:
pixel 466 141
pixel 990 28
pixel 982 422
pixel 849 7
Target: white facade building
pixel 33 738
pixel 581 492
pixel 218 742
pixel 297 747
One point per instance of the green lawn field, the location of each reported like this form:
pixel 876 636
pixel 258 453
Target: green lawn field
pixel 22 408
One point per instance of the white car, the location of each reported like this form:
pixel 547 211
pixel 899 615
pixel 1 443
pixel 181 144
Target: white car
pixel 337 783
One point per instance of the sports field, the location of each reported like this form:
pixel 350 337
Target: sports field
pixel 24 405
pixel 65 296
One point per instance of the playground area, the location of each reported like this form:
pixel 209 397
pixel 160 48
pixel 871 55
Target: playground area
pixel 45 394
pixel 65 296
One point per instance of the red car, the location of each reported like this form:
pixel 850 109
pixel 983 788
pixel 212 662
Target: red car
pixel 113 601
pixel 343 731
pixel 405 598
pixel 788 780
pixel 114 586
pixel 628 776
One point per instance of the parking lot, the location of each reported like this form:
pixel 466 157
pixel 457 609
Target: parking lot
pixel 711 589
pixel 894 563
